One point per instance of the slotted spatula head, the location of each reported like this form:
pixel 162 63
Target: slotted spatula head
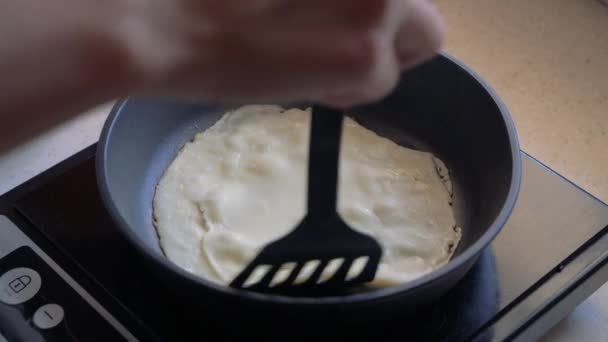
pixel 322 252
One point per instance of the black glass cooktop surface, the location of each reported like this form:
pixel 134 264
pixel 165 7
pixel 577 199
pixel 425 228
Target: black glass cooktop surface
pixel 549 257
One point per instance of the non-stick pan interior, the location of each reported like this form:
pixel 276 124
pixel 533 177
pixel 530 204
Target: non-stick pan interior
pixel 438 107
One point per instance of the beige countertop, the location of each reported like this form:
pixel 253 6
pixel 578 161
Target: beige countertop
pixel 547 60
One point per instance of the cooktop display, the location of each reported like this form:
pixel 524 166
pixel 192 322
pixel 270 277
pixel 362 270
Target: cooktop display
pixel 67 274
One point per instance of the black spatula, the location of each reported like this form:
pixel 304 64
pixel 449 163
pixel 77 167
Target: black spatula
pixel 302 260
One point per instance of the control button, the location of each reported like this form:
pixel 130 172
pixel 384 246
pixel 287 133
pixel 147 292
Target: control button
pixel 19 285
pixel 48 316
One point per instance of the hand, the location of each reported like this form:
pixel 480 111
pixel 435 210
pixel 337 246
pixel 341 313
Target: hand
pixel 341 52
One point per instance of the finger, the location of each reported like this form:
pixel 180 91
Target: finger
pixel 224 10
pixel 356 14
pixel 302 63
pixel 421 34
pixel 376 83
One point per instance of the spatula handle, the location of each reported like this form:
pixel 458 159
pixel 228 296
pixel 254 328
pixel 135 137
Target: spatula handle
pixel 323 162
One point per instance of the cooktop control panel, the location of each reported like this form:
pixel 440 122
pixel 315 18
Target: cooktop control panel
pixel 39 301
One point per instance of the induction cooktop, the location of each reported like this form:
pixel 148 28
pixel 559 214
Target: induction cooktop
pixel 66 273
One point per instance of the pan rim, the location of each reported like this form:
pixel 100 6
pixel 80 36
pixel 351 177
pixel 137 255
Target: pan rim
pixel 359 298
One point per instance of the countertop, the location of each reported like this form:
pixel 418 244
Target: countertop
pixel 547 60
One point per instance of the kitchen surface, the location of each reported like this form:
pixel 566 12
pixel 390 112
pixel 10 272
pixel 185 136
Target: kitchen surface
pixel 547 60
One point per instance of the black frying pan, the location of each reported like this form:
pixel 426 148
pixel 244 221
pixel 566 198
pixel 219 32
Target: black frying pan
pixel 440 106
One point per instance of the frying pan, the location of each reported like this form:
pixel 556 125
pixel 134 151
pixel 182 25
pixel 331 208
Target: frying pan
pixel 440 106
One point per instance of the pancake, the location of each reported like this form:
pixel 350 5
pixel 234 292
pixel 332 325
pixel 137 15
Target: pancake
pixel 241 184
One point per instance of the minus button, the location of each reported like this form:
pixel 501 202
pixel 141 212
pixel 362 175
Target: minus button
pixel 48 316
